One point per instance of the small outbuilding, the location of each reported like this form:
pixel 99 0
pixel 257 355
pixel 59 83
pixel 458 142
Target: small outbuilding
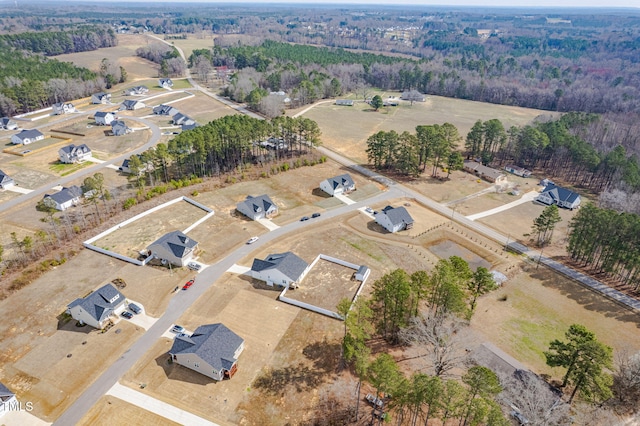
pixel 344 102
pixel 362 273
pixel 518 171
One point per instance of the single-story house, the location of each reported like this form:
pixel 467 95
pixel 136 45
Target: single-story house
pixel 165 83
pixel 101 98
pixel 344 102
pixel 64 198
pixel 180 119
pixel 8 124
pixel 138 90
pixel 26 137
pixel 146 167
pixel 259 207
pixel 190 126
pixel 63 108
pixel 484 172
pixel 104 118
pixel 518 171
pixel 394 219
pixel 563 197
pixel 362 273
pixel 131 105
pixel 338 185
pixel 8 401
pixel 5 180
pixel 165 110
pixel 74 154
pixel 282 269
pixel 119 128
pixel 174 247
pixel 413 95
pixel 212 350
pixel 98 308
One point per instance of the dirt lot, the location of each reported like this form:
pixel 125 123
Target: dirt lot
pixel 110 410
pixel 136 236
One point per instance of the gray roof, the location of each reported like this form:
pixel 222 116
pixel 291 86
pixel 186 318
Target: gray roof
pixel 213 343
pixel 165 80
pixel 559 193
pixel 75 150
pixel 118 126
pixel 102 114
pixel 100 303
pixel 259 203
pixel 4 177
pixel 6 120
pixel 129 103
pixel 100 94
pixel 5 393
pixel 65 194
pixel 180 118
pixel 177 242
pixel 165 110
pixel 29 134
pixel 288 263
pixel 344 180
pixel 398 215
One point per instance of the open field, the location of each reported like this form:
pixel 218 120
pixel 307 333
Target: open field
pixel 203 40
pixel 130 239
pixel 203 109
pixel 346 129
pixel 110 410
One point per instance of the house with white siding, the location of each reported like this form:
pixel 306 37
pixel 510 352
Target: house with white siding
pixel 5 180
pixel 174 247
pixel 74 154
pixel 553 194
pixel 341 184
pixel 26 137
pixel 98 308
pixel 394 219
pixel 104 118
pixel 281 269
pixel 260 207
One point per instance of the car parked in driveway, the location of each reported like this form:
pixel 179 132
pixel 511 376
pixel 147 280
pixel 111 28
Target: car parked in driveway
pixel 127 314
pixel 177 329
pixel 194 266
pixel 135 308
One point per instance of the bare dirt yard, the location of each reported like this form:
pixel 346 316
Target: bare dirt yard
pixel 110 410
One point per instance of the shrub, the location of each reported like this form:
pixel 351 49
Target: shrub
pixel 195 193
pixel 128 203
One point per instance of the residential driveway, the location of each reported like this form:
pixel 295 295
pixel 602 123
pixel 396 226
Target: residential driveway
pixel 238 269
pixel 268 224
pixel 526 198
pixel 143 320
pixel 96 161
pixel 18 189
pixel 160 408
pixel 344 199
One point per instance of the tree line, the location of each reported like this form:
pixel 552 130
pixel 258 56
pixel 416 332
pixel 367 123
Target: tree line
pixel 171 64
pixel 52 43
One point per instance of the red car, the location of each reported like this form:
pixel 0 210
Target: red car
pixel 188 284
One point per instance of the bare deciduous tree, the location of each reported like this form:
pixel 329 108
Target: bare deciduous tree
pixel 626 380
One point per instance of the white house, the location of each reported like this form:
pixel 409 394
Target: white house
pixel 63 108
pixel 131 105
pixel 98 308
pixel 563 197
pixel 484 172
pixel 63 199
pixel 138 90
pixel 8 401
pixel 26 137
pixel 174 247
pixel 74 154
pixel 179 119
pixel 518 171
pixel 5 180
pixel 212 350
pixel 165 83
pixel 394 219
pixel 144 168
pixel 165 110
pixel 282 269
pixel 104 118
pixel 119 128
pixel 101 98
pixel 259 207
pixel 8 124
pixel 338 185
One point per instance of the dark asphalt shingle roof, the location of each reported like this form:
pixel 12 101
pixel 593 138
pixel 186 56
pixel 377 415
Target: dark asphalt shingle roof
pixel 259 203
pixel 177 242
pixel 165 110
pixel 213 343
pixel 102 114
pixel 75 150
pixel 344 181
pixel 398 215
pixel 65 194
pixel 101 302
pixel 5 393
pixel 559 193
pixel 4 177
pixel 287 263
pixel 29 134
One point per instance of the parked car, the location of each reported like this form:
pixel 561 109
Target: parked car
pixel 188 284
pixel 252 240
pixel 374 400
pixel 194 266
pixel 315 215
pixel 135 308
pixel 304 218
pixel 368 210
pixel 127 314
pixel 177 329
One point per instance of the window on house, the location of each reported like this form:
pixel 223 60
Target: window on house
pixel 195 364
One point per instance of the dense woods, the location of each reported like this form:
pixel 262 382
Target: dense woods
pixel 52 43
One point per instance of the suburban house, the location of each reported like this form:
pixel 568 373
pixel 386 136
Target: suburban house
pixel 8 401
pixel 64 198
pixel 174 247
pixel 344 102
pixel 394 219
pixel 145 167
pixel 131 105
pixel 413 96
pixel 138 90
pixel 484 172
pixel 99 307
pixel 63 108
pixel 5 180
pixel 259 207
pixel 74 154
pixel 104 118
pixel 119 128
pixel 518 171
pixel 26 137
pixel 8 124
pixel 282 269
pixel 212 350
pixel 563 197
pixel 190 126
pixel 338 185
pixel 180 119
pixel 165 110
pixel 165 83
pixel 101 98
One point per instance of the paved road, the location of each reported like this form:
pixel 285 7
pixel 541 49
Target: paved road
pixel 183 300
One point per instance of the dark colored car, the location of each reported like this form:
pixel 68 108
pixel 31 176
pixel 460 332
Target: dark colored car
pixel 127 315
pixel 304 218
pixel 135 308
pixel 315 215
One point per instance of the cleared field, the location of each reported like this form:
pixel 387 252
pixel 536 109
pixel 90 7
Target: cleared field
pixel 346 129
pixel 110 410
pixel 203 109
pixel 202 40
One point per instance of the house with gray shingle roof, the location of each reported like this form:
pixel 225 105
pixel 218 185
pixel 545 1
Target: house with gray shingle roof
pixel 98 308
pixel 119 128
pixel 165 83
pixel 179 119
pixel 8 401
pixel 165 110
pixel 484 172
pixel 553 194
pixel 104 118
pixel 282 269
pixel 338 185
pixel 26 137
pixel 8 124
pixel 101 98
pixel 174 247
pixel 131 105
pixel 74 154
pixel 5 180
pixel 212 350
pixel 137 90
pixel 63 108
pixel 259 207
pixel 64 198
pixel 394 219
